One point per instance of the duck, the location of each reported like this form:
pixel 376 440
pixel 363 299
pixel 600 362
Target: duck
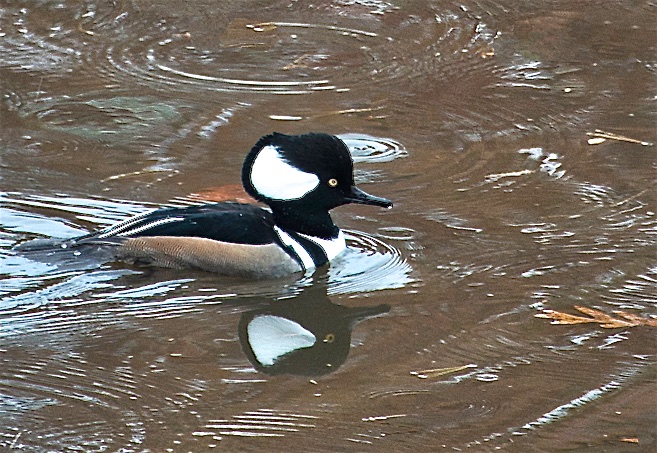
pixel 300 179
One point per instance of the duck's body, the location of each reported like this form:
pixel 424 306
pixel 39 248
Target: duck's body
pixel 299 177
pixel 227 238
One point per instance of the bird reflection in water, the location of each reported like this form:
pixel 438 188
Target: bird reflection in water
pixel 307 335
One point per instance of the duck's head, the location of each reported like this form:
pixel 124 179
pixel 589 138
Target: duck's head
pixel 314 170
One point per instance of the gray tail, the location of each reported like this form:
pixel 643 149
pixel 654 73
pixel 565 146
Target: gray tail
pixel 77 253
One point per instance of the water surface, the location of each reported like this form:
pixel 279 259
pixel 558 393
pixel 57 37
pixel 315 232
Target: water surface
pixel 515 139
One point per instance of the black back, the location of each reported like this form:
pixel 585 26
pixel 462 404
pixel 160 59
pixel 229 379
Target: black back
pixel 227 222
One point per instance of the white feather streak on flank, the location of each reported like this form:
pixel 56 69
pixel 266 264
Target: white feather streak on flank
pixel 148 226
pixel 126 224
pixel 301 252
pixel 274 178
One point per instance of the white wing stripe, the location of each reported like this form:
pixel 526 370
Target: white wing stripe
pixel 125 225
pixel 126 231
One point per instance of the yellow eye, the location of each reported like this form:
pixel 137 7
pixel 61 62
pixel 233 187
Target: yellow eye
pixel 329 338
pixel 332 182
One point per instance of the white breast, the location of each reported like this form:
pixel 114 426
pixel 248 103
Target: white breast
pixel 331 247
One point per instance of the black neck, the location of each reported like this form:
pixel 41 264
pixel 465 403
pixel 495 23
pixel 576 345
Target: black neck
pixel 316 223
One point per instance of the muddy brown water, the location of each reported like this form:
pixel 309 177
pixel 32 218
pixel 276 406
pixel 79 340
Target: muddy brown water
pixel 477 118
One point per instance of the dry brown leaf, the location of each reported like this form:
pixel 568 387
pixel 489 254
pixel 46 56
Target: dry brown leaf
pixel 598 317
pixel 632 440
pixel 611 136
pixel 652 322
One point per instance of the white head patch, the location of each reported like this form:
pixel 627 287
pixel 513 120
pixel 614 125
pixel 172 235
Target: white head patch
pixel 274 178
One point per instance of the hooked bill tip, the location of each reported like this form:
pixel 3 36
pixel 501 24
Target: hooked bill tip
pixel 361 197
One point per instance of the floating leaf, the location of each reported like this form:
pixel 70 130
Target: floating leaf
pixel 623 319
pixel 596 140
pixel 599 134
pixel 632 440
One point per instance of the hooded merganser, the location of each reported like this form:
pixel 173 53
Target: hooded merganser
pixel 300 178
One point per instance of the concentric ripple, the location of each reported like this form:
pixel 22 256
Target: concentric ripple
pixel 367 148
pixel 174 59
pixel 369 264
pixel 35 39
pixel 452 50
